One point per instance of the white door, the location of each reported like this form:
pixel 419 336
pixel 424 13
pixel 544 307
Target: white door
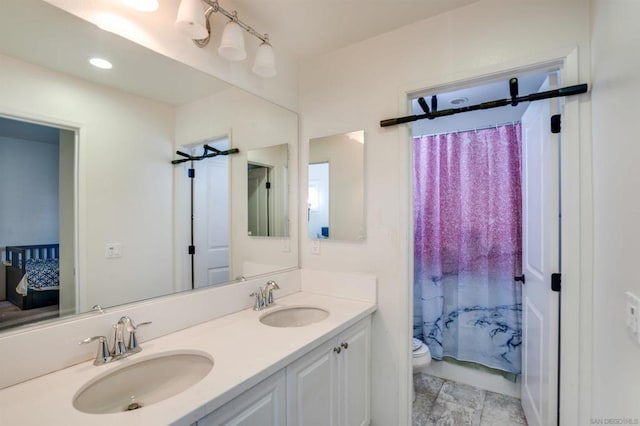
pixel 211 218
pixel 540 258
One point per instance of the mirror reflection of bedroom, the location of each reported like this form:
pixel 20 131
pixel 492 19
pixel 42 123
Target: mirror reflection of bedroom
pixel 37 175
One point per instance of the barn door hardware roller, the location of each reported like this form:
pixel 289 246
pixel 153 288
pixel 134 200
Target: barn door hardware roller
pixel 513 101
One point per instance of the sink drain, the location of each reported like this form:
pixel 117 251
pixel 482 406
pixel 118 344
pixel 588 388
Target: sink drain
pixel 133 406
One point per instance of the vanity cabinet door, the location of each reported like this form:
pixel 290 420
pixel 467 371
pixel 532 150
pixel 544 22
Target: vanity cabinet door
pixel 262 405
pixel 355 375
pixel 311 388
pixel 331 385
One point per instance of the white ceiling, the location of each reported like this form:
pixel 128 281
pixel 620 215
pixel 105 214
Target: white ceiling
pixel 311 27
pixel 304 27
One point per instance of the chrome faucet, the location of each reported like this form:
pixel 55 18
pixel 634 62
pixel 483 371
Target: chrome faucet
pixel 133 346
pixel 264 295
pixel 269 287
pixel 119 350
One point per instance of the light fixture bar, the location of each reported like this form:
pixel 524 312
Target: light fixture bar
pixel 233 16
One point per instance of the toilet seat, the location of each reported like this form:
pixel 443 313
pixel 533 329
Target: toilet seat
pixel 422 351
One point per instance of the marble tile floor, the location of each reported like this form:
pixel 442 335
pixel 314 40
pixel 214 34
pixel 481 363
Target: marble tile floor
pixel 441 402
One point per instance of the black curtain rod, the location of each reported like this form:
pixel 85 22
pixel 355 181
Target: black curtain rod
pixel 565 91
pixel 207 148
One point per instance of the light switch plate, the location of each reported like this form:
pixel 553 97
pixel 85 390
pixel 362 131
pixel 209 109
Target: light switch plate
pixel 632 323
pixel 315 246
pixel 112 250
pixel 632 317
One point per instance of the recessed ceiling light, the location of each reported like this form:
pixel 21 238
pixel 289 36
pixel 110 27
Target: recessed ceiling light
pixel 101 63
pixel 142 5
pixel 459 101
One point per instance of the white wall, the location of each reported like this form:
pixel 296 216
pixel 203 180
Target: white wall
pixel 125 177
pixel 356 87
pixel 616 153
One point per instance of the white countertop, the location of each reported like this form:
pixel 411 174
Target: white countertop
pixel 244 352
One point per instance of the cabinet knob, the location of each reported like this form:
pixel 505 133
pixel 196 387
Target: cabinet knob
pixel 345 345
pixel 337 349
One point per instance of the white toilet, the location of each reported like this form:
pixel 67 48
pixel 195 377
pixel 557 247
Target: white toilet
pixel 421 359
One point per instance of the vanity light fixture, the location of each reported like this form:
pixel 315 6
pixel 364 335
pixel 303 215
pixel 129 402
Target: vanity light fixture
pixel 101 63
pixel 142 5
pixel 193 21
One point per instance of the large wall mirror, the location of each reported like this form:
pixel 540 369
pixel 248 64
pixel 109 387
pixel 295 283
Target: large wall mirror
pixel 114 209
pixel 335 203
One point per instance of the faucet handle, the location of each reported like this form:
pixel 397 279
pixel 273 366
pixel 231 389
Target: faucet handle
pixel 257 303
pixel 131 325
pixel 103 356
pixel 133 346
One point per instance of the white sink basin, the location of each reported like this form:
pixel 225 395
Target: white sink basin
pixel 142 382
pixel 294 316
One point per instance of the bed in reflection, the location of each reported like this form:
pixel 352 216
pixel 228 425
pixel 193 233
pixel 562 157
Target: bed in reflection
pixel 33 275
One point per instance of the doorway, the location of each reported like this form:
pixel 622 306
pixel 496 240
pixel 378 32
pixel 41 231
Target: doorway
pixel 259 200
pixel 37 221
pixel 318 201
pixel 537 386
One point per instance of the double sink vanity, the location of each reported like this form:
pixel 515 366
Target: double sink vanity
pixel 304 359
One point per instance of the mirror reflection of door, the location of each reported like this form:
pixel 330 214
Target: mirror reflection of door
pixel 267 191
pixel 318 201
pixel 211 216
pixel 37 171
pixel 259 187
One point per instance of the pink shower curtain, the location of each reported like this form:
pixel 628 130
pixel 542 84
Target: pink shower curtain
pixel 467 245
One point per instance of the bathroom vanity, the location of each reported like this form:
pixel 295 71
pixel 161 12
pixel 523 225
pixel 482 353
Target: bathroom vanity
pixel 288 374
pixel 328 385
